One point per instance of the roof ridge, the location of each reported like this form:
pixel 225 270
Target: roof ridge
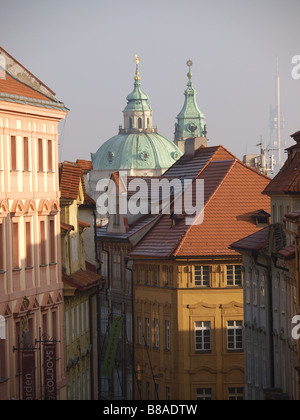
pixel 205 204
pixel 31 74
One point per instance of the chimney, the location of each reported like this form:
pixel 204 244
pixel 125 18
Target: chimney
pixel 192 144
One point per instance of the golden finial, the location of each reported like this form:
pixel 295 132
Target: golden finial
pixel 189 63
pixel 137 60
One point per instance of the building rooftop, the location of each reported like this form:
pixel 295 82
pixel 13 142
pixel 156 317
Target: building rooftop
pixel 19 85
pixel 232 194
pixel 288 178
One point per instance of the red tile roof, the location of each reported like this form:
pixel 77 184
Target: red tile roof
pixel 12 86
pixel 254 242
pixel 86 165
pixel 21 65
pixel 66 227
pixel 83 224
pixel 288 178
pixel 82 280
pixel 232 193
pixel 287 252
pixel 70 177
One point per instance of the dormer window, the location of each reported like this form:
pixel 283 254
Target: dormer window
pixel 261 218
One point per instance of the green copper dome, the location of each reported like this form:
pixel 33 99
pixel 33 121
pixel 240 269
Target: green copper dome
pixel 138 145
pixel 136 150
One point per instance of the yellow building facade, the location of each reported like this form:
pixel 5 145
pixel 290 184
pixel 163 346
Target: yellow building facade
pixel 189 340
pixel 188 284
pixel 81 288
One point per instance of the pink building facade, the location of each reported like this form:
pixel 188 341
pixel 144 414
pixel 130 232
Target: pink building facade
pixel 31 288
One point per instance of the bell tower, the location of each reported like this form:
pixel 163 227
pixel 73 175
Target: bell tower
pixel 190 120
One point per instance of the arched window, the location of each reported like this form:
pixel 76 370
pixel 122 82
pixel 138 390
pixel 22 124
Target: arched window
pixel 148 122
pixel 130 123
pixel 140 123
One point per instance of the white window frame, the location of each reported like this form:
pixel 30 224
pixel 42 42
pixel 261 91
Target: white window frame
pixel 203 394
pixel 235 327
pixel 200 276
pixel 236 282
pixel 235 393
pixel 202 332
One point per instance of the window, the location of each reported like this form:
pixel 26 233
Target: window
pixel 147 281
pixel 116 266
pixel 15 228
pixel 248 287
pixel 147 332
pixel 254 289
pixel 77 321
pixel 262 291
pixel 52 241
pixel 201 276
pixel 74 248
pixel 140 123
pixel 156 333
pixel 82 316
pixel 138 275
pixel 25 154
pixel 255 362
pixel 42 243
pixel 235 394
pixel 13 153
pixel 248 364
pixel 204 394
pixel 155 275
pixel 234 335
pixel 167 337
pixel 28 244
pixel 167 269
pixel 86 315
pixel 40 156
pixel 168 393
pixel 1 246
pixel 67 326
pixel 50 156
pixel 234 275
pixel 202 336
pixel 139 334
pixel 130 123
pixel 73 323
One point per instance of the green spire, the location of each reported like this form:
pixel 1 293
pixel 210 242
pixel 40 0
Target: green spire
pixel 190 120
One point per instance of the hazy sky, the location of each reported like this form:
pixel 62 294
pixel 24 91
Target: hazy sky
pixel 84 50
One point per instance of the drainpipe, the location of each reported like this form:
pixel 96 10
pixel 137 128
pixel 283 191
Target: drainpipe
pixel 133 325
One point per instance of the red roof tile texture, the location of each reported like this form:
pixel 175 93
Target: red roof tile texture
pixel 288 179
pixel 86 165
pixel 70 177
pixel 232 191
pixel 255 242
pixel 12 86
pixel 82 280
